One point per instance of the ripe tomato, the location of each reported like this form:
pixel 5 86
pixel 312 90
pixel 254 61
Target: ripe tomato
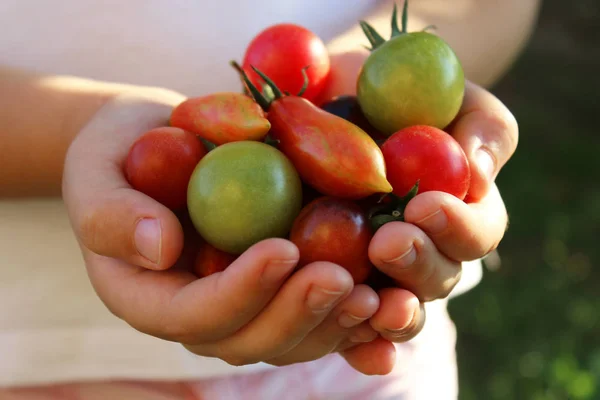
pixel 331 154
pixel 222 118
pixel 334 230
pixel 428 155
pixel 282 51
pixel 242 193
pixel 414 78
pixel 210 260
pixel 160 164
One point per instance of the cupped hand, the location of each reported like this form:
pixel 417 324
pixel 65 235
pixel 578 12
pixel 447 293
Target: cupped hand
pixel 138 256
pixel 424 254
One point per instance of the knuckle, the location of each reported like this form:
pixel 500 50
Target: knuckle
pixel 505 125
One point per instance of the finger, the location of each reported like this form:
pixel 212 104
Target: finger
pixel 463 232
pixel 108 217
pixel 375 358
pixel 175 305
pixel 304 301
pixel 488 133
pixel 406 254
pixel 340 324
pixel 400 316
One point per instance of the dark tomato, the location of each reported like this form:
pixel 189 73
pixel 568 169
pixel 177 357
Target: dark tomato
pixel 334 230
pixel 160 164
pixel 347 107
pixel 429 155
pixel 211 260
pixel 281 52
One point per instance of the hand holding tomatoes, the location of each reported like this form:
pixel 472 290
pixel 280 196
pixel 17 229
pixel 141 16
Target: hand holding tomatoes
pixel 246 195
pixel 137 260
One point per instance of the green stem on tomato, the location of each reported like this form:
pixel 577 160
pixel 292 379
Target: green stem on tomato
pixel 256 94
pixel 383 213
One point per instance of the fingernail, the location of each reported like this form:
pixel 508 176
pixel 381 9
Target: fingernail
pixel 485 163
pixel 405 259
pixel 436 222
pixel 320 299
pixel 276 270
pixel 148 237
pixel 411 322
pixel 363 338
pixel 347 320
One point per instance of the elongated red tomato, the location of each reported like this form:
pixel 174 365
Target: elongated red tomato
pixel 429 155
pixel 160 164
pixel 331 154
pixel 281 51
pixel 334 230
pixel 222 118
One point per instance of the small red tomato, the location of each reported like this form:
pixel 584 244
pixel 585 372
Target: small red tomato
pixel 281 52
pixel 222 118
pixel 334 230
pixel 211 260
pixel 160 164
pixel 428 155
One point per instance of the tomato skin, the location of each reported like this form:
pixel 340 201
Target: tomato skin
pixel 334 230
pixel 281 51
pixel 331 154
pixel 427 154
pixel 412 79
pixel 222 118
pixel 241 193
pixel 347 107
pixel 160 163
pixel 210 260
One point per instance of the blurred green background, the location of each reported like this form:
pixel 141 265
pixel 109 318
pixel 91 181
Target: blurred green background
pixel 531 329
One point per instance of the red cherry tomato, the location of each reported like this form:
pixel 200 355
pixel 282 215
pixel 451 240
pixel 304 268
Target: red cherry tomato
pixel 281 51
pixel 334 230
pixel 429 155
pixel 211 260
pixel 160 164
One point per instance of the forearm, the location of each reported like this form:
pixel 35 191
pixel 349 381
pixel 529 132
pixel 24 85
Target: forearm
pixel 39 117
pixel 487 35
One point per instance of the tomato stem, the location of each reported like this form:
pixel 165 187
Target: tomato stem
pixel 395 29
pixel 305 84
pixel 372 35
pixel 269 82
pixel 375 39
pixel 405 17
pixel 382 213
pixel 256 94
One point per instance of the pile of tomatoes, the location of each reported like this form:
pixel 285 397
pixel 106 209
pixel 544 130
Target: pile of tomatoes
pixel 278 160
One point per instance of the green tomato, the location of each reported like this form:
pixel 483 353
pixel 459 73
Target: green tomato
pixel 241 193
pixel 412 79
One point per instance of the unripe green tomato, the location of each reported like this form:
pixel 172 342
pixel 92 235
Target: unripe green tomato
pixel 412 79
pixel 241 193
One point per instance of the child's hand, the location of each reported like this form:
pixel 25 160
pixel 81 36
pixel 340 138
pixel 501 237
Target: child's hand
pixel 135 256
pixel 424 254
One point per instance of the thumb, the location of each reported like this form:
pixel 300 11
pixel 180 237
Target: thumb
pixel 125 224
pixel 488 134
pixel 108 217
